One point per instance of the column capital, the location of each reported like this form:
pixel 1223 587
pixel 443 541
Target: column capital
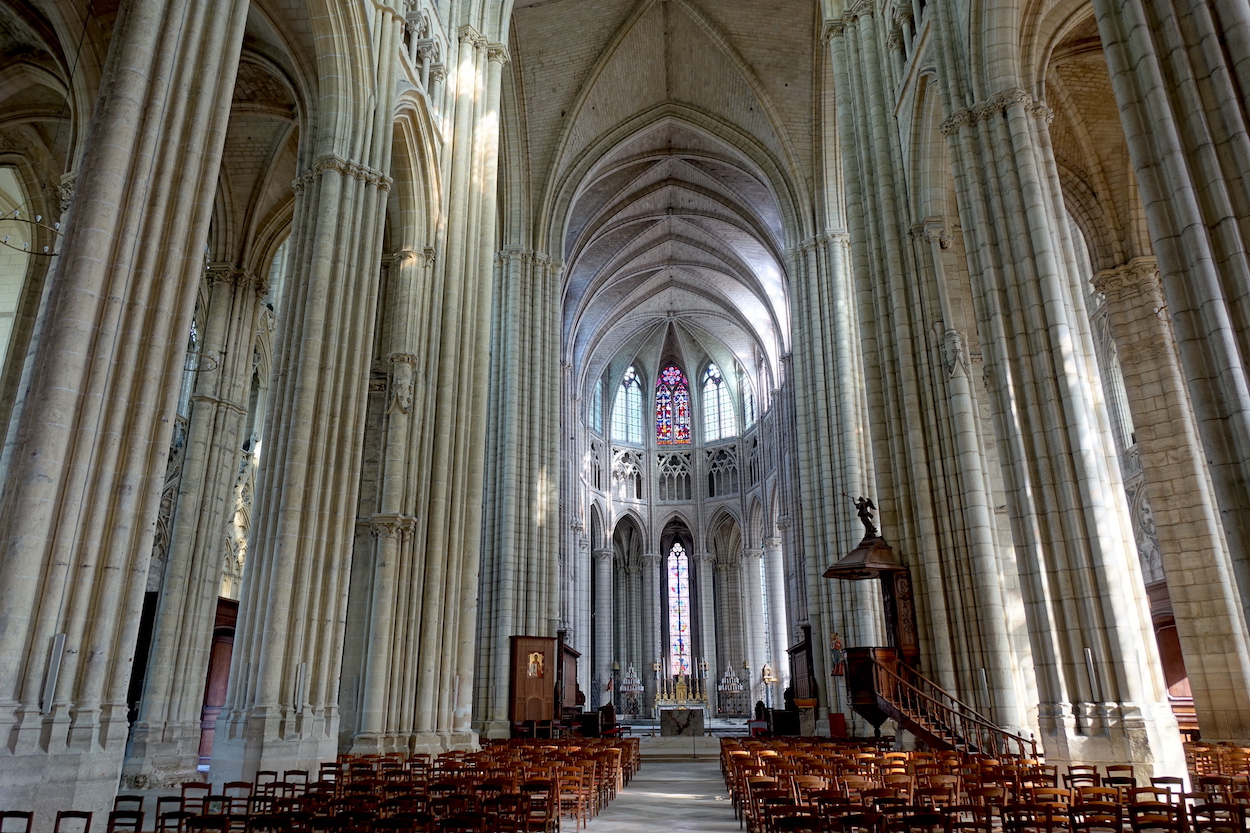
pixel 396 527
pixel 497 53
pixel 650 559
pixel 705 558
pixel 752 552
pixel 601 554
pixel 772 543
pixel 1130 281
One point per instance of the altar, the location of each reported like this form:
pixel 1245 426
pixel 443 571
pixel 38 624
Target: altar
pixel 683 721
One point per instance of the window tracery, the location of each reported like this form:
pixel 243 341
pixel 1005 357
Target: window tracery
pixel 627 412
pixel 722 471
pixel 674 476
pixel 719 420
pixel 672 407
pixel 678 609
pixel 627 472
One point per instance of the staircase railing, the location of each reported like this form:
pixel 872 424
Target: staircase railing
pixel 931 707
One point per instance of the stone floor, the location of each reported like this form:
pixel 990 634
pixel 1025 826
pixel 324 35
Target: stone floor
pixel 669 795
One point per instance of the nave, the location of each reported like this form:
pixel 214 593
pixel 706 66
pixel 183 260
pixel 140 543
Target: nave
pixel 670 794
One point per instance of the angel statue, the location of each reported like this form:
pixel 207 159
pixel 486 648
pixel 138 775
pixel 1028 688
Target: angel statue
pixel 865 507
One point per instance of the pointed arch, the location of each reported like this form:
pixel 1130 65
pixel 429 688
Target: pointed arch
pixel 672 407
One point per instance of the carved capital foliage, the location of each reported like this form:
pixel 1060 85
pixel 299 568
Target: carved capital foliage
pixel 342 167
pixel 832 29
pixel 997 105
pixel 601 555
pixel 428 49
pixel 438 73
pixel 956 122
pixel 858 9
pixel 498 53
pixel 65 190
pixel 651 560
pixel 753 552
pixel 393 527
pixel 934 231
pixel 1130 282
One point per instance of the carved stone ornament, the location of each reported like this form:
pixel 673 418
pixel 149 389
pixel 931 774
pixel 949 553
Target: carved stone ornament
pixel 954 352
pixel 403 372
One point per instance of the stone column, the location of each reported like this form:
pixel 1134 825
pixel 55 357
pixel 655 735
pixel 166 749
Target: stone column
pixel 705 567
pixel 283 708
pixel 383 723
pixel 1199 571
pixel 1180 77
pixel 1006 706
pixel 778 618
pixel 94 428
pixel 1081 577
pixel 753 625
pixel 651 647
pixel 520 566
pixel 605 619
pixel 164 747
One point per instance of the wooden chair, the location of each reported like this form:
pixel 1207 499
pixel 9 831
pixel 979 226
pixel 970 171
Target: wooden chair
pixel 172 821
pixel 125 820
pixel 867 822
pixel 1081 775
pixel 798 822
pixel 1033 818
pixel 923 822
pixel 1096 818
pixel 1217 818
pixel 16 821
pixel 72 821
pixel 128 802
pixel 1156 815
pixel 968 818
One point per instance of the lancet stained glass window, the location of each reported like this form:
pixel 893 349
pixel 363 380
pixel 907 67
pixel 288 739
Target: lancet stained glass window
pixel 678 609
pixel 672 407
pixel 627 412
pixel 719 420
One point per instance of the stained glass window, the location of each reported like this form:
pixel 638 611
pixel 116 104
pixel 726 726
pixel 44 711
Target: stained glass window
pixel 678 609
pixel 672 408
pixel 627 412
pixel 719 419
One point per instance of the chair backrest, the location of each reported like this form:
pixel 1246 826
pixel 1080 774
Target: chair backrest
pixel 16 821
pixel 72 821
pixel 128 802
pixel 125 820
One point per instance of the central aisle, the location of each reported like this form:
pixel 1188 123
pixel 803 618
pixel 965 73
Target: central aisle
pixel 670 795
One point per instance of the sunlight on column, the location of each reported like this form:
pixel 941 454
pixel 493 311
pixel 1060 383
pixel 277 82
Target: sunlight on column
pixel 15 234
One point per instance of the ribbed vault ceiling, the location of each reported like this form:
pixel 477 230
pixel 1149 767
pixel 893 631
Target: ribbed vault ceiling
pixel 660 140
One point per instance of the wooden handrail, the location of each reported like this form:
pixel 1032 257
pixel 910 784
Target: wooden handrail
pixel 965 726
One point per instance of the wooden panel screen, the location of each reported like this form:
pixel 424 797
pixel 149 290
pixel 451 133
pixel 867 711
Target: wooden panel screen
pixel 533 678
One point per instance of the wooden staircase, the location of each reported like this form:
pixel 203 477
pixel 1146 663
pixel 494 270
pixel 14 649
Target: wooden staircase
pixel 880 687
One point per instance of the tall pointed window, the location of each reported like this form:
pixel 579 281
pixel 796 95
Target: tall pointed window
pixel 627 412
pixel 719 420
pixel 678 609
pixel 672 407
pixel 596 407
